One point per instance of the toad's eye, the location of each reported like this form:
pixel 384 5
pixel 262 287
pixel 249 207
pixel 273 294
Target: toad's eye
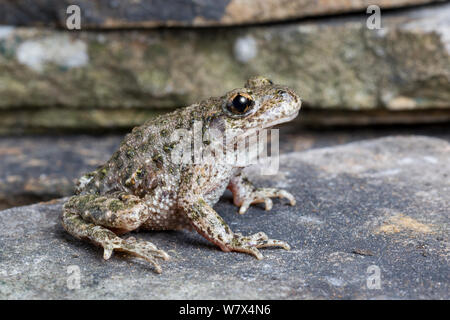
pixel 240 104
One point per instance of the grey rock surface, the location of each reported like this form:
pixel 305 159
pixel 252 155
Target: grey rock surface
pixel 382 203
pixel 97 79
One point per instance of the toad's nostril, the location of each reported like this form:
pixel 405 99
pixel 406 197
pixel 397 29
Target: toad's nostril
pixel 294 96
pixel 288 95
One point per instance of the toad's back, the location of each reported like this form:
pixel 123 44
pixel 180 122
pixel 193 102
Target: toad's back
pixel 143 161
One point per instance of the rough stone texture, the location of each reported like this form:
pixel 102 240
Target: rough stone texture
pixel 57 78
pixel 382 202
pixel 156 13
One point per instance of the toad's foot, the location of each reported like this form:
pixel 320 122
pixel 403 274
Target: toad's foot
pixel 260 195
pixel 250 244
pixel 140 248
pixel 246 194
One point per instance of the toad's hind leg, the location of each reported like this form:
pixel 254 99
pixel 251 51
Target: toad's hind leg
pixel 99 218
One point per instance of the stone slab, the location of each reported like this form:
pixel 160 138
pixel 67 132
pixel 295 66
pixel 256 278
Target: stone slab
pixel 157 13
pixel 93 79
pixel 378 204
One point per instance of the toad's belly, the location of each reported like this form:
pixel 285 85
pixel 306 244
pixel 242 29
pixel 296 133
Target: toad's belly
pixel 166 220
pixel 164 217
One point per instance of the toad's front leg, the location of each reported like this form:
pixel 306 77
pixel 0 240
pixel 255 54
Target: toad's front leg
pixel 245 194
pixel 210 225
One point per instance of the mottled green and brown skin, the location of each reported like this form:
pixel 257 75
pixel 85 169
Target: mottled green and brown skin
pixel 141 187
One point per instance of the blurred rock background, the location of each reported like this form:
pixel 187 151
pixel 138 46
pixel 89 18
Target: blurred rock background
pixel 134 59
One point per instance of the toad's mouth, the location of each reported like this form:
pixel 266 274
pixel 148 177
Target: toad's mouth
pixel 283 120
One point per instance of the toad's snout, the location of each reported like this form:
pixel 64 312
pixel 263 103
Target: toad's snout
pixel 294 98
pixel 291 102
